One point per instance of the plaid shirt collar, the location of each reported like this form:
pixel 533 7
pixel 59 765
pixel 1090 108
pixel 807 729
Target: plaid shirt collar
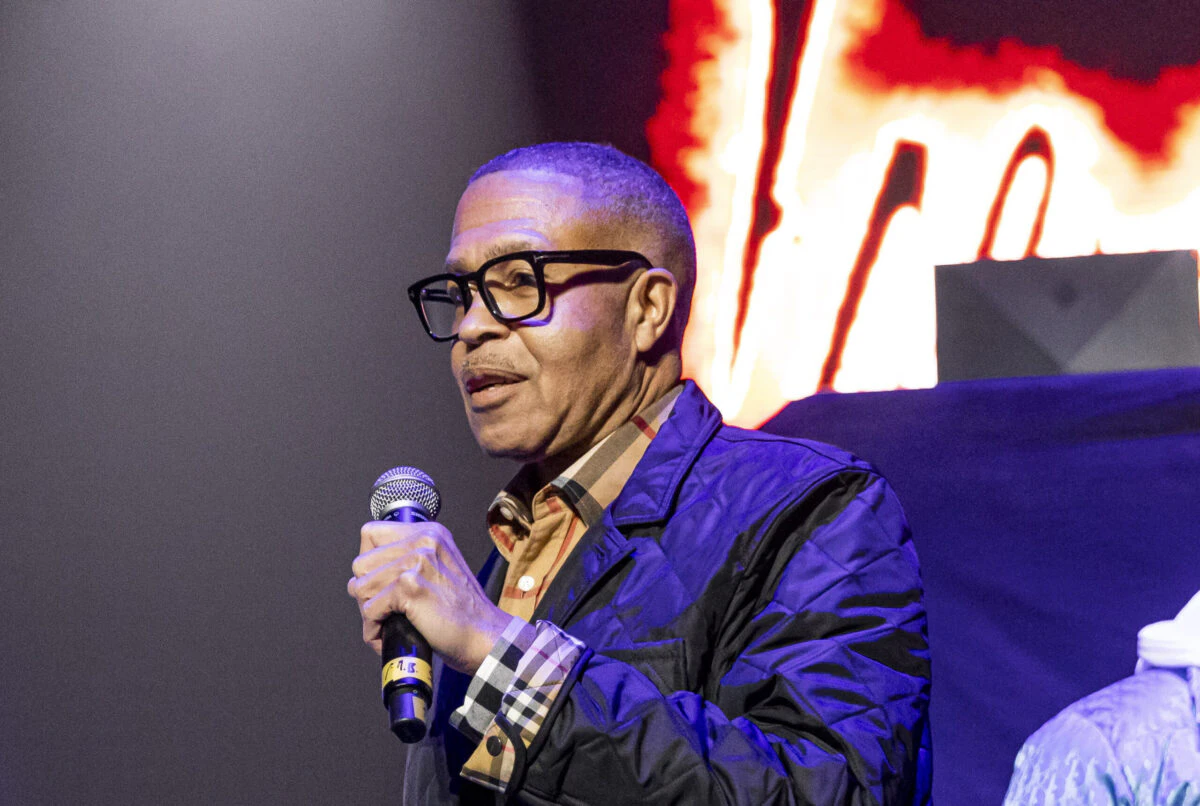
pixel 595 479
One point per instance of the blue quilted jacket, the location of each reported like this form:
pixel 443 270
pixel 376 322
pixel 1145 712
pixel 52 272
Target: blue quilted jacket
pixel 756 634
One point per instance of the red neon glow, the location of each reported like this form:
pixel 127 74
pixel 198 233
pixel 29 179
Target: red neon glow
pixel 903 186
pixel 1035 144
pixel 896 54
pixel 827 175
pixel 697 31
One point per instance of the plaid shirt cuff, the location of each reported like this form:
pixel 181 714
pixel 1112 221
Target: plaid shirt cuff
pixel 493 678
pixel 530 687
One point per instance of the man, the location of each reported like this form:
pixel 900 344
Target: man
pixel 1135 742
pixel 687 612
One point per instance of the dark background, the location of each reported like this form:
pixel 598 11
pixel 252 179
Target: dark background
pixel 208 215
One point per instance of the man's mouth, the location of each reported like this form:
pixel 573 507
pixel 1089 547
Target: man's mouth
pixel 481 380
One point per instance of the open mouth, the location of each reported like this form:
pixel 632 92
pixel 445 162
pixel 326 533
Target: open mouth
pixel 484 380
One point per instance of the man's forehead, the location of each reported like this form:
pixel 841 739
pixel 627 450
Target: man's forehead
pixel 528 196
pixel 510 211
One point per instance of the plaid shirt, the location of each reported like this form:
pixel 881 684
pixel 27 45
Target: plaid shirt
pixel 511 693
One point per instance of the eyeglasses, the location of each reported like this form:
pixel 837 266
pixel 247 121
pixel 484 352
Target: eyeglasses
pixel 513 287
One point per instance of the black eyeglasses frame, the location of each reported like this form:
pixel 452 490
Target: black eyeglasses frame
pixel 615 258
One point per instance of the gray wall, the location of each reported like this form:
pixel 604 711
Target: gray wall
pixel 208 215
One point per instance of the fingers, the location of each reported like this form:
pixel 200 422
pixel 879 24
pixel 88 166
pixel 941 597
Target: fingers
pixel 369 561
pixel 375 606
pixel 381 533
pixel 384 568
pixel 388 602
pixel 391 549
pixel 416 569
pixel 386 592
pixel 387 578
pixel 391 545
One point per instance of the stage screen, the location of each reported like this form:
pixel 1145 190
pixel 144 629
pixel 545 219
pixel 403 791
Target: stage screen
pixel 831 153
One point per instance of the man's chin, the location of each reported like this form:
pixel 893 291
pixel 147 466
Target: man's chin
pixel 516 447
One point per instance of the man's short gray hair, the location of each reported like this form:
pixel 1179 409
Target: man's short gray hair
pixel 621 193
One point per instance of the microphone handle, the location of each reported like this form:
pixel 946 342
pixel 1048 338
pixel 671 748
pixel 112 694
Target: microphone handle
pixel 407 668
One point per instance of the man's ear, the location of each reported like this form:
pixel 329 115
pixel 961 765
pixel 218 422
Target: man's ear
pixel 651 306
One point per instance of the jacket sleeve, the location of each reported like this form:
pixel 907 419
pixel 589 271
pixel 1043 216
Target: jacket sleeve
pixel 815 691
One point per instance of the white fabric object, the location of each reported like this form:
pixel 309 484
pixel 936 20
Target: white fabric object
pixel 1172 644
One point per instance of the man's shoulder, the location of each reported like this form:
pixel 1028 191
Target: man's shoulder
pixel 742 472
pixel 695 422
pixel 1143 705
pixel 1133 738
pixel 748 482
pixel 793 457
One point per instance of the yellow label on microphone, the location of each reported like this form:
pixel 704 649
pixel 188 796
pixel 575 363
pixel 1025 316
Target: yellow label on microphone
pixel 407 668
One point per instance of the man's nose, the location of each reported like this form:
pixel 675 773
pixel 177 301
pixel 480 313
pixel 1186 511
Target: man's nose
pixel 477 322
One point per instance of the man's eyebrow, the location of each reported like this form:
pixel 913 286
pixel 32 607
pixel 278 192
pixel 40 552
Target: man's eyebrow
pixel 459 266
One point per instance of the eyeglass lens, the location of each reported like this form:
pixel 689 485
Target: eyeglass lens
pixel 511 285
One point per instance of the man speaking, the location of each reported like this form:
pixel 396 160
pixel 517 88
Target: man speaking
pixel 676 611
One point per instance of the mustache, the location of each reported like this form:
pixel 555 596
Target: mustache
pixel 478 363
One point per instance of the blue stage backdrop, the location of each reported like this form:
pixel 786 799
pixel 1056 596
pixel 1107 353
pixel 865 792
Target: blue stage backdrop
pixel 1054 517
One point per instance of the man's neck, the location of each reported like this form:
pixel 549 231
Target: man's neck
pixel 655 386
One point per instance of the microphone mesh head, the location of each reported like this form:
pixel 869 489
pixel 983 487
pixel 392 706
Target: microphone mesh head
pixel 404 484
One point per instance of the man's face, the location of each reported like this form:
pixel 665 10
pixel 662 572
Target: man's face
pixel 553 385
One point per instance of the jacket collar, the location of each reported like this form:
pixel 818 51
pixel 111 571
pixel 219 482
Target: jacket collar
pixel 647 498
pixel 651 491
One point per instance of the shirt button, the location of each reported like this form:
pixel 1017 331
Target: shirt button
pixel 526 583
pixel 494 745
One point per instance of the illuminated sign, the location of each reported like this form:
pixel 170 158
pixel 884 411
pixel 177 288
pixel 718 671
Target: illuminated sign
pixel 826 173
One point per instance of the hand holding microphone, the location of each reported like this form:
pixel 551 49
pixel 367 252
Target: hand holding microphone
pixel 405 495
pixel 411 581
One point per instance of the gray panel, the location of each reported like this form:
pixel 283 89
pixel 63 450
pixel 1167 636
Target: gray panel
pixel 1057 302
pixel 1148 332
pixel 1094 313
pixel 975 340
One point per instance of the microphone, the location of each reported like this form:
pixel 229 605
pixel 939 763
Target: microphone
pixel 405 495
